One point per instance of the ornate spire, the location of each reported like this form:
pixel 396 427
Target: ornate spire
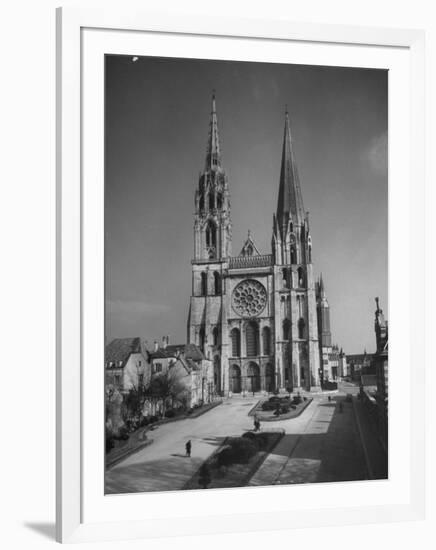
pixel 321 287
pixel 213 154
pixel 290 202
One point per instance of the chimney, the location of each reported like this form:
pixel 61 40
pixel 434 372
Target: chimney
pixel 156 345
pixel 165 341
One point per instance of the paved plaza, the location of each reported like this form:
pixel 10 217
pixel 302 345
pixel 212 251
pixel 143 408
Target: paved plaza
pixel 320 445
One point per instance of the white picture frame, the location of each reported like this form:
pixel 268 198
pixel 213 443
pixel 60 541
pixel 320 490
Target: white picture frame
pixel 73 271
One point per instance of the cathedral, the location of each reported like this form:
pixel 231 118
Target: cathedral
pixel 261 318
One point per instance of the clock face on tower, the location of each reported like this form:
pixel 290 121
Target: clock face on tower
pixel 249 298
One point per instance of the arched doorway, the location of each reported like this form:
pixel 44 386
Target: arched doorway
pixel 253 377
pixel 270 379
pixel 235 379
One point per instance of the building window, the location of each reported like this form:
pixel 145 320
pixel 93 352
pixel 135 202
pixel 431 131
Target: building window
pixel 286 329
pixel 266 340
pixel 301 278
pixel 140 380
pixel 117 380
pixel 285 274
pixel 217 283
pixel 211 235
pixel 216 333
pixel 252 339
pixel 202 339
pixel 301 325
pixel 211 201
pixel 235 337
pixel 204 284
pixel 158 367
pixel 139 363
pixel 293 255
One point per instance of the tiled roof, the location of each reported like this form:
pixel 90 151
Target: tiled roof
pixel 119 350
pixel 190 351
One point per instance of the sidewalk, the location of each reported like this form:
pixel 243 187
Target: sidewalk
pixel 324 448
pixel 376 457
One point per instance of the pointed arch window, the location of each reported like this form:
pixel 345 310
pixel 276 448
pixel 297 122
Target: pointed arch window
pixel 216 335
pixel 202 336
pixel 301 327
pixel 301 278
pixel 201 203
pixel 211 235
pixel 211 200
pixel 266 340
pixel 203 283
pixel 219 201
pixel 286 329
pixel 217 283
pixel 252 339
pixel 293 255
pixel 235 337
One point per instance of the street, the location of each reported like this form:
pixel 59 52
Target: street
pixel 321 445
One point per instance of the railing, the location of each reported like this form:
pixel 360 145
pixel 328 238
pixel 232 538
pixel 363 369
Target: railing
pixel 240 262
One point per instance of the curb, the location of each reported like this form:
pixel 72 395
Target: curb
pixel 109 464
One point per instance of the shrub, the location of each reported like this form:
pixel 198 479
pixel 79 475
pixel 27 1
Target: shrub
pixel 261 441
pixel 170 413
pixel 239 451
pixel 242 449
pixel 274 399
pixel 123 434
pixel 269 406
pixel 153 419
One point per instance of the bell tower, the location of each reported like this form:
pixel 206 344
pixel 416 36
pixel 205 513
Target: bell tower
pixel 296 326
pixel 212 225
pixel 212 248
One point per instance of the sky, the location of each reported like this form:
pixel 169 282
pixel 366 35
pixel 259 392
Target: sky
pixel 156 127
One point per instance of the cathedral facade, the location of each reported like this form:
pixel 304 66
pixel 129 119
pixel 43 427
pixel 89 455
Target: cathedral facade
pixel 254 315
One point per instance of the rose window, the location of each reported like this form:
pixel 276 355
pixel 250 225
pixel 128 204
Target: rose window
pixel 249 298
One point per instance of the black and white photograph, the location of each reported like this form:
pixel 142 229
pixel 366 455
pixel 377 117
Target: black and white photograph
pixel 246 280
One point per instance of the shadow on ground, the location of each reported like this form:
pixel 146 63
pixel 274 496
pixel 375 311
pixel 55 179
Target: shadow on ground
pixel 47 530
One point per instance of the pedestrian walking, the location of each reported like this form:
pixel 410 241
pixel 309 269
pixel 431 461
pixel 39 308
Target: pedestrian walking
pixel 257 425
pixel 188 447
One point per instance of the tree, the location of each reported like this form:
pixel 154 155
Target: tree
pixel 168 387
pixel 134 401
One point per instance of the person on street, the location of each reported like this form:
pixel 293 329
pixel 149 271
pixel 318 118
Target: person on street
pixel 188 448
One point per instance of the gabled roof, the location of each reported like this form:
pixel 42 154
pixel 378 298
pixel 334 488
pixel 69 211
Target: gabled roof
pixel 189 351
pixel 249 248
pixel 118 350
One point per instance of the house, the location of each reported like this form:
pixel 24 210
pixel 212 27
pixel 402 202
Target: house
pixel 358 364
pixel 187 371
pixel 126 364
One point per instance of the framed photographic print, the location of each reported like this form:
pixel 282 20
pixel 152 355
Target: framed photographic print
pixel 239 225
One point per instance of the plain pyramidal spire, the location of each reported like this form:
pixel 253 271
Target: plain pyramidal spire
pixel 290 202
pixel 213 154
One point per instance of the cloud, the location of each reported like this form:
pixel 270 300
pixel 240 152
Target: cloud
pixel 377 154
